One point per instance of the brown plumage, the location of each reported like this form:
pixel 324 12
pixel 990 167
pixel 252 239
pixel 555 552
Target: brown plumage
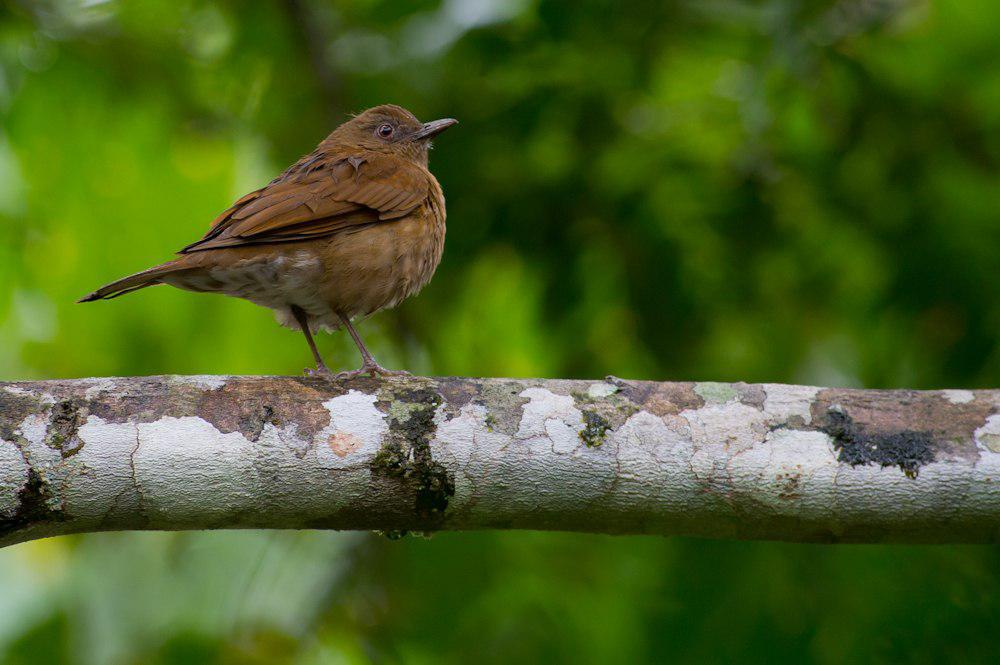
pixel 353 227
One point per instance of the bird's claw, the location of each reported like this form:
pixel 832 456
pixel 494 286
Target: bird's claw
pixel 350 374
pixel 375 370
pixel 368 369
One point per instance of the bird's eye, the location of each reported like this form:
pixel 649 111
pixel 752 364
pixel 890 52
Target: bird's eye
pixel 384 130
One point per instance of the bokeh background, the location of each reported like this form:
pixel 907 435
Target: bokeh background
pixel 715 190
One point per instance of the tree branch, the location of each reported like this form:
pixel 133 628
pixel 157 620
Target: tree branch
pixel 612 456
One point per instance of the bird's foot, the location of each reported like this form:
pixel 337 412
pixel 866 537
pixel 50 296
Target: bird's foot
pixel 350 374
pixel 372 369
pixel 378 370
pixel 321 372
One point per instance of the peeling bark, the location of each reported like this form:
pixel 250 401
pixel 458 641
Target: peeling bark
pixel 422 454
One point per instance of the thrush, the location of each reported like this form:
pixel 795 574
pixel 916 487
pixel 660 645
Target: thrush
pixel 354 227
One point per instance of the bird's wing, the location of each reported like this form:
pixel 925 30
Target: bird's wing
pixel 318 196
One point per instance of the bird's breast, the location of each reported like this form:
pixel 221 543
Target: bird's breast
pixel 381 265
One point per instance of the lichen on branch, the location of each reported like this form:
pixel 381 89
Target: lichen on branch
pixel 424 454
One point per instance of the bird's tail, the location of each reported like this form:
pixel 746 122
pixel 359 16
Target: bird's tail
pixel 139 280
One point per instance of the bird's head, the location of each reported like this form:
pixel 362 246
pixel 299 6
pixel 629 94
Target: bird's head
pixel 391 129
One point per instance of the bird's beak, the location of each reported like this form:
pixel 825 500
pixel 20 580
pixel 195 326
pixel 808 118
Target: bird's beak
pixel 433 128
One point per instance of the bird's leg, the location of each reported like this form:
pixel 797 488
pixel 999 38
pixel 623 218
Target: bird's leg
pixel 368 364
pixel 303 319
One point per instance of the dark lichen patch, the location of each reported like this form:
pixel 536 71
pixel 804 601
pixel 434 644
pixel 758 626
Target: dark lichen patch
pixel 951 425
pixel 601 415
pixel 32 506
pixel 907 449
pixel 64 422
pixel 252 424
pixel 405 454
pixel 504 405
pixel 391 460
pixel 595 428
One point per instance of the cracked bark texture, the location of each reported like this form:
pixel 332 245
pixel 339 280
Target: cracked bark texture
pixel 609 456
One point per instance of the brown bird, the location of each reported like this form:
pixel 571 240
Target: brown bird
pixel 354 227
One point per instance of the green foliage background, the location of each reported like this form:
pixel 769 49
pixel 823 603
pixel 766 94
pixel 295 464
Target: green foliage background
pixel 719 190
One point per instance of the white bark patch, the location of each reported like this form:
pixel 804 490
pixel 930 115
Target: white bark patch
pixel 44 398
pixel 653 458
pixel 98 386
pixel 33 429
pixel 988 436
pixel 103 467
pixel 555 472
pixel 203 381
pixel 719 431
pixel 788 470
pixel 356 428
pixel 783 401
pixel 550 421
pixel 288 435
pixel 898 498
pixel 561 473
pixel 602 389
pixel 986 472
pixel 13 476
pixel 466 444
pixel 297 485
pixel 189 471
pixel 958 396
